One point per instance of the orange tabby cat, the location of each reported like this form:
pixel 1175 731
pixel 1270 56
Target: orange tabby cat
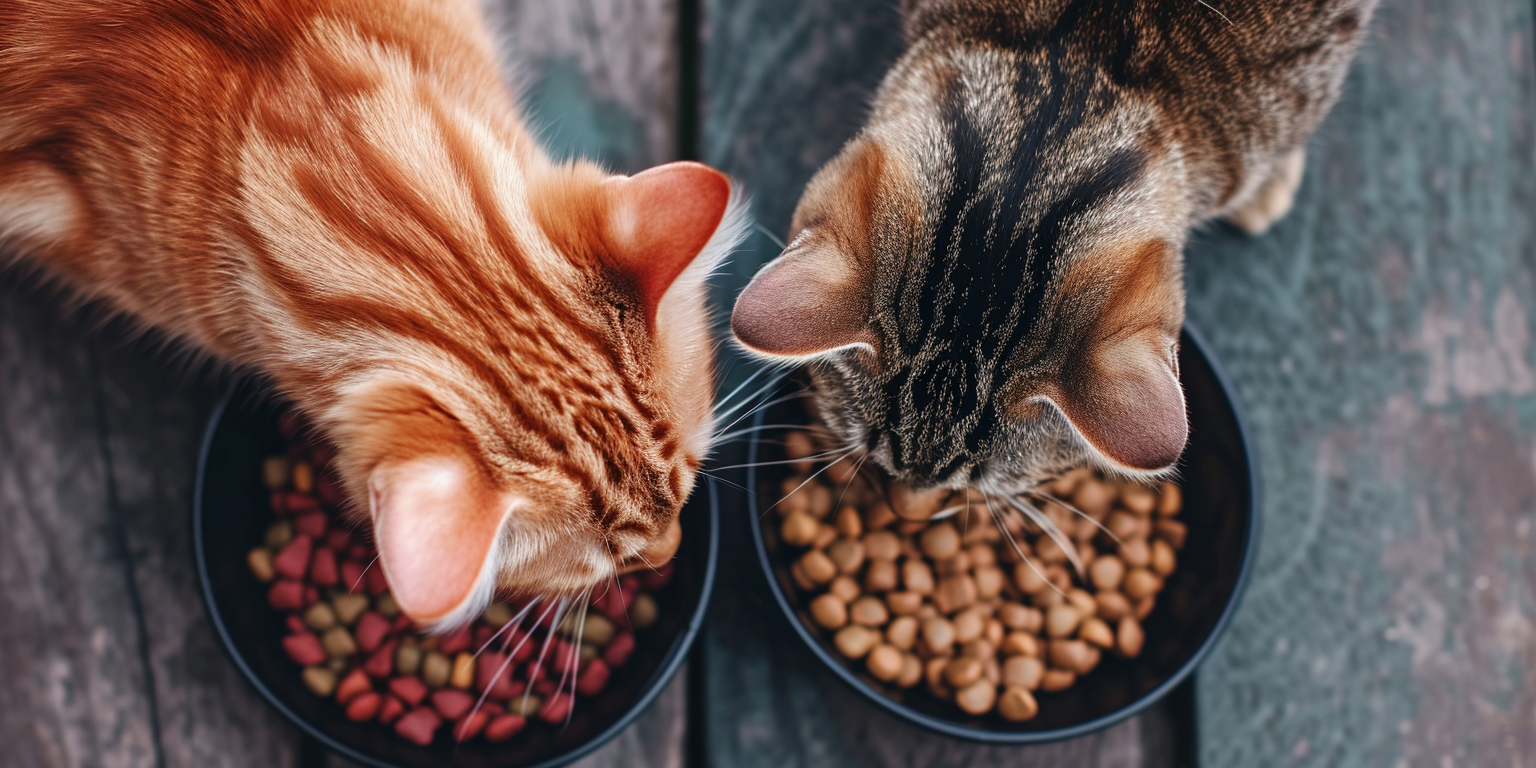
pixel 511 355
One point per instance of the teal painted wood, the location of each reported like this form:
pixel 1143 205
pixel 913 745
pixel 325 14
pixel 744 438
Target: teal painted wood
pixel 1380 340
pixel 785 83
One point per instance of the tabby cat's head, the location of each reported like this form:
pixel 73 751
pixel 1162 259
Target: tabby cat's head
pixel 537 418
pixel 986 282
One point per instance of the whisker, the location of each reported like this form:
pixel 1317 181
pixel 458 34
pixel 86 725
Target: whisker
pixel 363 573
pixel 854 476
pixel 575 666
pixel 741 386
pixel 749 399
pixel 762 230
pixel 1048 496
pixel 1049 527
pixel 1007 534
pixel 813 457
pixel 505 663
pixel 538 664
pixel 727 482
pixel 813 475
pixel 517 619
pixel 759 428
pixel 1213 8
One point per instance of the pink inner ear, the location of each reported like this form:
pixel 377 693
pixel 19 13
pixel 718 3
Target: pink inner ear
pixel 805 302
pixel 661 219
pixel 436 525
pixel 1129 405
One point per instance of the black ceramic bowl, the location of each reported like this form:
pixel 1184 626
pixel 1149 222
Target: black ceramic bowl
pixel 229 518
pixel 1220 484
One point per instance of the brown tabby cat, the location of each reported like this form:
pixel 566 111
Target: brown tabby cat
pixel 511 355
pixel 987 281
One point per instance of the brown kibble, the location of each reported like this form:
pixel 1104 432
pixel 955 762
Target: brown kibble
pixel 960 563
pixel 1126 526
pixel 916 505
pixel 989 582
pixel 303 477
pixel 1082 600
pixel 882 545
pixel 1021 644
pixel 1062 621
pixel 274 472
pixel 1163 560
pixel 962 671
pixel 600 629
pixel 846 554
pixel 1048 551
pixel 1129 637
pixel 881 576
pixel 795 497
pixel 825 535
pixel 904 603
pixel 260 562
pixel 526 705
pixel 911 671
pixel 1023 671
pixel 799 529
pixel 844 588
pixel 869 611
pixel 1112 605
pixel 644 611
pixel 408 658
pixel 979 648
pixel 1057 680
pixel 349 606
pixel 1135 553
pixel 1093 497
pixel 320 616
pixel 902 632
pixel 955 593
pixel 1096 632
pixel 1139 499
pixel 338 642
pixel 799 447
pixel 1171 501
pixel 1141 609
pixel 829 611
pixel 884 662
pixel 848 522
pixel 933 671
pixel 818 567
pixel 977 698
pixel 843 470
pixel 802 581
pixel 1047 599
pixel 854 641
pixel 1069 654
pixel 938 636
pixel 878 516
pixel 969 624
pixel 994 632
pixel 436 669
pixel 1106 572
pixel 319 680
pixel 1029 578
pixel 1020 617
pixel 917 577
pixel 1171 531
pixel 1141 583
pixel 820 502
pixel 463 674
pixel 1017 704
pixel 279 534
pixel 941 542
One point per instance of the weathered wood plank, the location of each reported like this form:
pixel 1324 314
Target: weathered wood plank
pixel 1380 340
pixel 784 84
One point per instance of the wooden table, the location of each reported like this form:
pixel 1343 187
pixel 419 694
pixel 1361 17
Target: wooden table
pixel 1379 340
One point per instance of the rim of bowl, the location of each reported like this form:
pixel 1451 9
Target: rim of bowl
pixel 670 663
pixel 947 728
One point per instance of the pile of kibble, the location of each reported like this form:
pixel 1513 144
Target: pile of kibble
pixel 953 604
pixel 353 644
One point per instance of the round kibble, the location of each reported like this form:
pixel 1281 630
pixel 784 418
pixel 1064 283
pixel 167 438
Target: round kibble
pixel 847 555
pixel 969 624
pixel 1171 531
pixel 279 534
pixel 463 673
pixel 849 523
pixel 644 612
pixel 869 611
pixel 1106 572
pixel 977 698
pixel 882 545
pixel 1082 600
pixel 1112 605
pixel 1093 497
pixel 799 529
pixel 1129 637
pixel 1062 620
pixel 855 640
pixel 904 603
pixel 1163 560
pixel 938 636
pixel 260 562
pixel 1023 671
pixel 1021 643
pixel 902 632
pixel 1135 553
pixel 1020 617
pixel 436 669
pixel 911 671
pixel 338 642
pixel 1141 583
pixel 844 588
pixel 1139 499
pixel 1171 500
pixel 917 577
pixel 818 567
pixel 408 658
pixel 1096 632
pixel 941 541
pixel 1057 680
pixel 881 576
pixel 599 629
pixel 962 671
pixel 884 662
pixel 1029 578
pixel 954 593
pixel 320 680
pixel 989 582
pixel 320 616
pixel 1017 704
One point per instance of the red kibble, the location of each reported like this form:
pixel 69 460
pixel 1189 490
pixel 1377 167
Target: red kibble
pixel 402 623
pixel 504 727
pixel 544 686
pixel 470 726
pixel 361 552
pixel 411 690
pixel 322 567
pixel 483 635
pixel 451 703
pixel 371 631
pixel 351 575
pixel 630 583
pixel 296 503
pixel 555 708
pixel 418 726
pixel 365 707
pixel 522 645
pixel 305 649
pixel 455 641
pixel 611 603
pixel 565 662
pixel 375 581
pixel 592 678
pixel 492 676
pixel 355 684
pixel 287 595
pixel 338 539
pixel 382 663
pixel 311 524
pixel 619 649
pixel 311 596
pixel 292 561
pixel 391 711
pixel 296 624
pixel 655 579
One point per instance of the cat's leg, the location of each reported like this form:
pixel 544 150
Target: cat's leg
pixel 1273 199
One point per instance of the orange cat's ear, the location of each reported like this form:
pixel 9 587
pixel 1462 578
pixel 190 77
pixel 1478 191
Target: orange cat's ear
pixel 809 301
pixel 437 522
pixel 1125 399
pixel 659 220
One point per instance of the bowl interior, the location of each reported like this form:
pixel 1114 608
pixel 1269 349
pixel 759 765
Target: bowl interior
pixel 1219 506
pixel 231 515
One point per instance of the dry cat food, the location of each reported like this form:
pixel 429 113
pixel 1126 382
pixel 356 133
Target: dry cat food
pixel 945 600
pixel 352 643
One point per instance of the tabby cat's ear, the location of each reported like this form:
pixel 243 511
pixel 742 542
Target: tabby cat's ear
pixel 659 220
pixel 438 523
pixel 809 301
pixel 1125 399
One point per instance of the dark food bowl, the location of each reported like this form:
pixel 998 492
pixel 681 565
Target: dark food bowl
pixel 1220 485
pixel 229 518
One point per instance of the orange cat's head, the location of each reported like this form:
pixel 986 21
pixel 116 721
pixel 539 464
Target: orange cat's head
pixel 539 421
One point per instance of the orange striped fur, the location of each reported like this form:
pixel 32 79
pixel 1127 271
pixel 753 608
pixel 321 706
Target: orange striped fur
pixel 512 355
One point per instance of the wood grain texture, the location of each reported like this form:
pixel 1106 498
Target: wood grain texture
pixel 1380 341
pixel 785 83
